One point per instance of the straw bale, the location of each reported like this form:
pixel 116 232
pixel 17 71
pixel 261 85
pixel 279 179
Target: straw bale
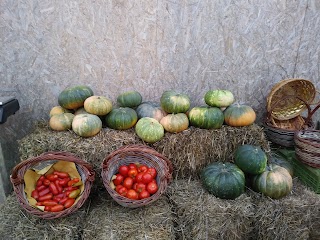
pixel 109 220
pixel 189 150
pixel 200 215
pixel 16 223
pixel 295 216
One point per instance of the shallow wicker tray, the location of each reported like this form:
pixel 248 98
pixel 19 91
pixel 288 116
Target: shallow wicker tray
pixel 17 180
pixel 307 147
pixel 285 96
pixel 136 153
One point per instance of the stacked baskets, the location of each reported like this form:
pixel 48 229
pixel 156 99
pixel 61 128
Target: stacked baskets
pixel 142 154
pixel 286 102
pixel 18 173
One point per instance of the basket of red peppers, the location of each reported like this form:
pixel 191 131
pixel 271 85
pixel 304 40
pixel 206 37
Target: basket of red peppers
pixel 136 175
pixel 53 184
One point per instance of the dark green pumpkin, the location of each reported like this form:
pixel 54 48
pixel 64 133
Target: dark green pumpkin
pixel 174 102
pixel 206 117
pixel 274 182
pixel 223 180
pixel 278 160
pixel 121 118
pixel 149 130
pixel 250 159
pixel 130 99
pixel 74 97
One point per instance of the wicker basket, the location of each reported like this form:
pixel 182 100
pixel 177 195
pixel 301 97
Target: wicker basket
pixel 136 153
pixel 17 179
pixel 307 147
pixel 286 96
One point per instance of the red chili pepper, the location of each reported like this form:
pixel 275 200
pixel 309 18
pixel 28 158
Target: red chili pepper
pixel 52 177
pixel 44 192
pixel 53 188
pixel 62 201
pixel 46 182
pixel 60 189
pixel 35 194
pixel 57 208
pixel 48 196
pixel 61 174
pixel 39 183
pixel 47 208
pixel 69 202
pixel 73 181
pixel 64 182
pixel 40 188
pixel 70 188
pixel 49 203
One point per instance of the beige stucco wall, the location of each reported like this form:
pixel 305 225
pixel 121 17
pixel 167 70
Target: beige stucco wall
pixel 151 46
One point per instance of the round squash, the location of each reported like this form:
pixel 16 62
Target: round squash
pixel 98 105
pixel 149 130
pixel 274 182
pixel 150 109
pixel 121 118
pixel 130 99
pixel 223 180
pixel 58 110
pixel 74 97
pixel 86 125
pixel 282 162
pixel 206 117
pixel 239 115
pixel 80 111
pixel 219 98
pixel 250 159
pixel 61 122
pixel 175 123
pixel 173 102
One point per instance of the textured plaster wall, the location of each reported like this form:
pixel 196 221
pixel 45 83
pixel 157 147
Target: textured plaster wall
pixel 245 46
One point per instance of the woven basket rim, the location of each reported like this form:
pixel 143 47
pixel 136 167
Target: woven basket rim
pixel 299 108
pixel 17 181
pixel 164 176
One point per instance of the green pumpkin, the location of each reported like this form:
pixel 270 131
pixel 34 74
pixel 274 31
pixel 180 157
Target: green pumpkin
pixel 219 98
pixel 175 123
pixel 86 125
pixel 74 97
pixel 274 182
pixel 61 122
pixel 149 130
pixel 223 180
pixel 98 105
pixel 250 159
pixel 130 99
pixel 174 102
pixel 239 115
pixel 206 117
pixel 150 109
pixel 121 118
pixel 282 162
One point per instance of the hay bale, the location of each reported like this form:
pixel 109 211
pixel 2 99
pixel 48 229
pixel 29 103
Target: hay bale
pixel 200 215
pixel 109 220
pixel 189 150
pixel 295 216
pixel 15 223
pixel 193 149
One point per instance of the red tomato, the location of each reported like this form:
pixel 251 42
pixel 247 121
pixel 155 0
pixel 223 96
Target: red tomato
pixel 152 187
pixel 144 194
pixel 128 182
pixel 69 202
pixel 53 188
pixel 132 172
pixel 48 196
pixel 73 181
pixel 57 208
pixel 118 187
pixel 61 174
pixel 146 178
pixel 35 194
pixel 49 203
pixel 44 192
pixel 140 187
pixel 153 172
pixel 123 170
pixel 52 177
pixel 132 165
pixel 64 182
pixel 138 177
pixel 132 194
pixel 143 168
pixel 123 191
pixel 46 182
pixel 39 183
pixel 118 180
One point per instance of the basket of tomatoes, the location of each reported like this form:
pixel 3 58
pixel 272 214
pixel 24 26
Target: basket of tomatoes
pixel 136 175
pixel 52 185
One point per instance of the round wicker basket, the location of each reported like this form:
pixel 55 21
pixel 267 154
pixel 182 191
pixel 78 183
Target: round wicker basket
pixel 284 100
pixel 136 153
pixel 307 147
pixel 17 180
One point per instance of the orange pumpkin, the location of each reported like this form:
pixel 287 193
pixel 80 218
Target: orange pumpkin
pixel 239 115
